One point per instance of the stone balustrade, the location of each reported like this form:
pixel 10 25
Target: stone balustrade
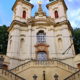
pixel 74 76
pixel 9 75
pixel 47 63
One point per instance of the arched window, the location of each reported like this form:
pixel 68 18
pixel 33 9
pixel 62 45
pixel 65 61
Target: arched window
pixel 60 43
pixel 42 56
pixel 22 45
pixel 41 37
pixel 10 44
pixel 56 14
pixel 24 14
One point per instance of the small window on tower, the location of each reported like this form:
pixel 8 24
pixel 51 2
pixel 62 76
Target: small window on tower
pixel 60 43
pixel 24 14
pixel 56 14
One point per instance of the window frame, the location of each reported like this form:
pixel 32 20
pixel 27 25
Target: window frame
pixel 56 14
pixel 41 37
pixel 24 14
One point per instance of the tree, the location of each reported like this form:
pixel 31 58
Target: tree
pixel 3 39
pixel 76 38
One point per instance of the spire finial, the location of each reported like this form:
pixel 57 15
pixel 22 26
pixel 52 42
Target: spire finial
pixel 40 8
pixel 39 2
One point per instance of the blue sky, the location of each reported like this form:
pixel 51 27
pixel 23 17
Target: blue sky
pixel 73 12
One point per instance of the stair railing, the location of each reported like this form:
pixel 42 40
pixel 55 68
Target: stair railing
pixel 10 75
pixel 74 76
pixel 44 63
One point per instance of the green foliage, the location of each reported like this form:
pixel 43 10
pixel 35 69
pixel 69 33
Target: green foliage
pixel 76 38
pixel 3 39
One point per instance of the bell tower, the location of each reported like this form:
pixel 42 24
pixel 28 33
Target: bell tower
pixel 17 32
pixel 62 29
pixel 57 10
pixel 22 10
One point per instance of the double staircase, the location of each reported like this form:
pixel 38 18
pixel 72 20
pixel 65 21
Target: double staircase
pixel 23 71
pixel 66 69
pixel 74 76
pixel 50 63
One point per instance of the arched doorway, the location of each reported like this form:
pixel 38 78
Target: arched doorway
pixel 42 56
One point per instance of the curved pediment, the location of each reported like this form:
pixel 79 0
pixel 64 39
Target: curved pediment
pixel 41 21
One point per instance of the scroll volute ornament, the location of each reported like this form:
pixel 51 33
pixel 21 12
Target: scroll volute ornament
pixel 41 47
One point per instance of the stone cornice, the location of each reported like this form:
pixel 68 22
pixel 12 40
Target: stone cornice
pixel 24 2
pixel 52 3
pixel 37 13
pixel 40 21
pixel 14 22
pixel 41 44
pixel 64 22
pixel 19 59
pixel 65 5
pixel 33 22
pixel 55 2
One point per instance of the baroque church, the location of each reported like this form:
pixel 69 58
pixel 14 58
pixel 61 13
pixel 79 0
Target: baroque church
pixel 40 47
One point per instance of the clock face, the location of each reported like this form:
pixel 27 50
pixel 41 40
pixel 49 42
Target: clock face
pixel 42 56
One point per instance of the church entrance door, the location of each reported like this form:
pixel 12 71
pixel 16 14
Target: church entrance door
pixel 41 56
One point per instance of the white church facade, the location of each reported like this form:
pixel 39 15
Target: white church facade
pixel 40 37
pixel 41 44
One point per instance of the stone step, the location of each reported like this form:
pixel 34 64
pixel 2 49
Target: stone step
pixel 2 78
pixel 8 75
pixel 74 76
pixel 49 63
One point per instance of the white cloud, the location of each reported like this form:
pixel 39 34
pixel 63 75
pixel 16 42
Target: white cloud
pixel 74 17
pixel 70 0
pixel 74 0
